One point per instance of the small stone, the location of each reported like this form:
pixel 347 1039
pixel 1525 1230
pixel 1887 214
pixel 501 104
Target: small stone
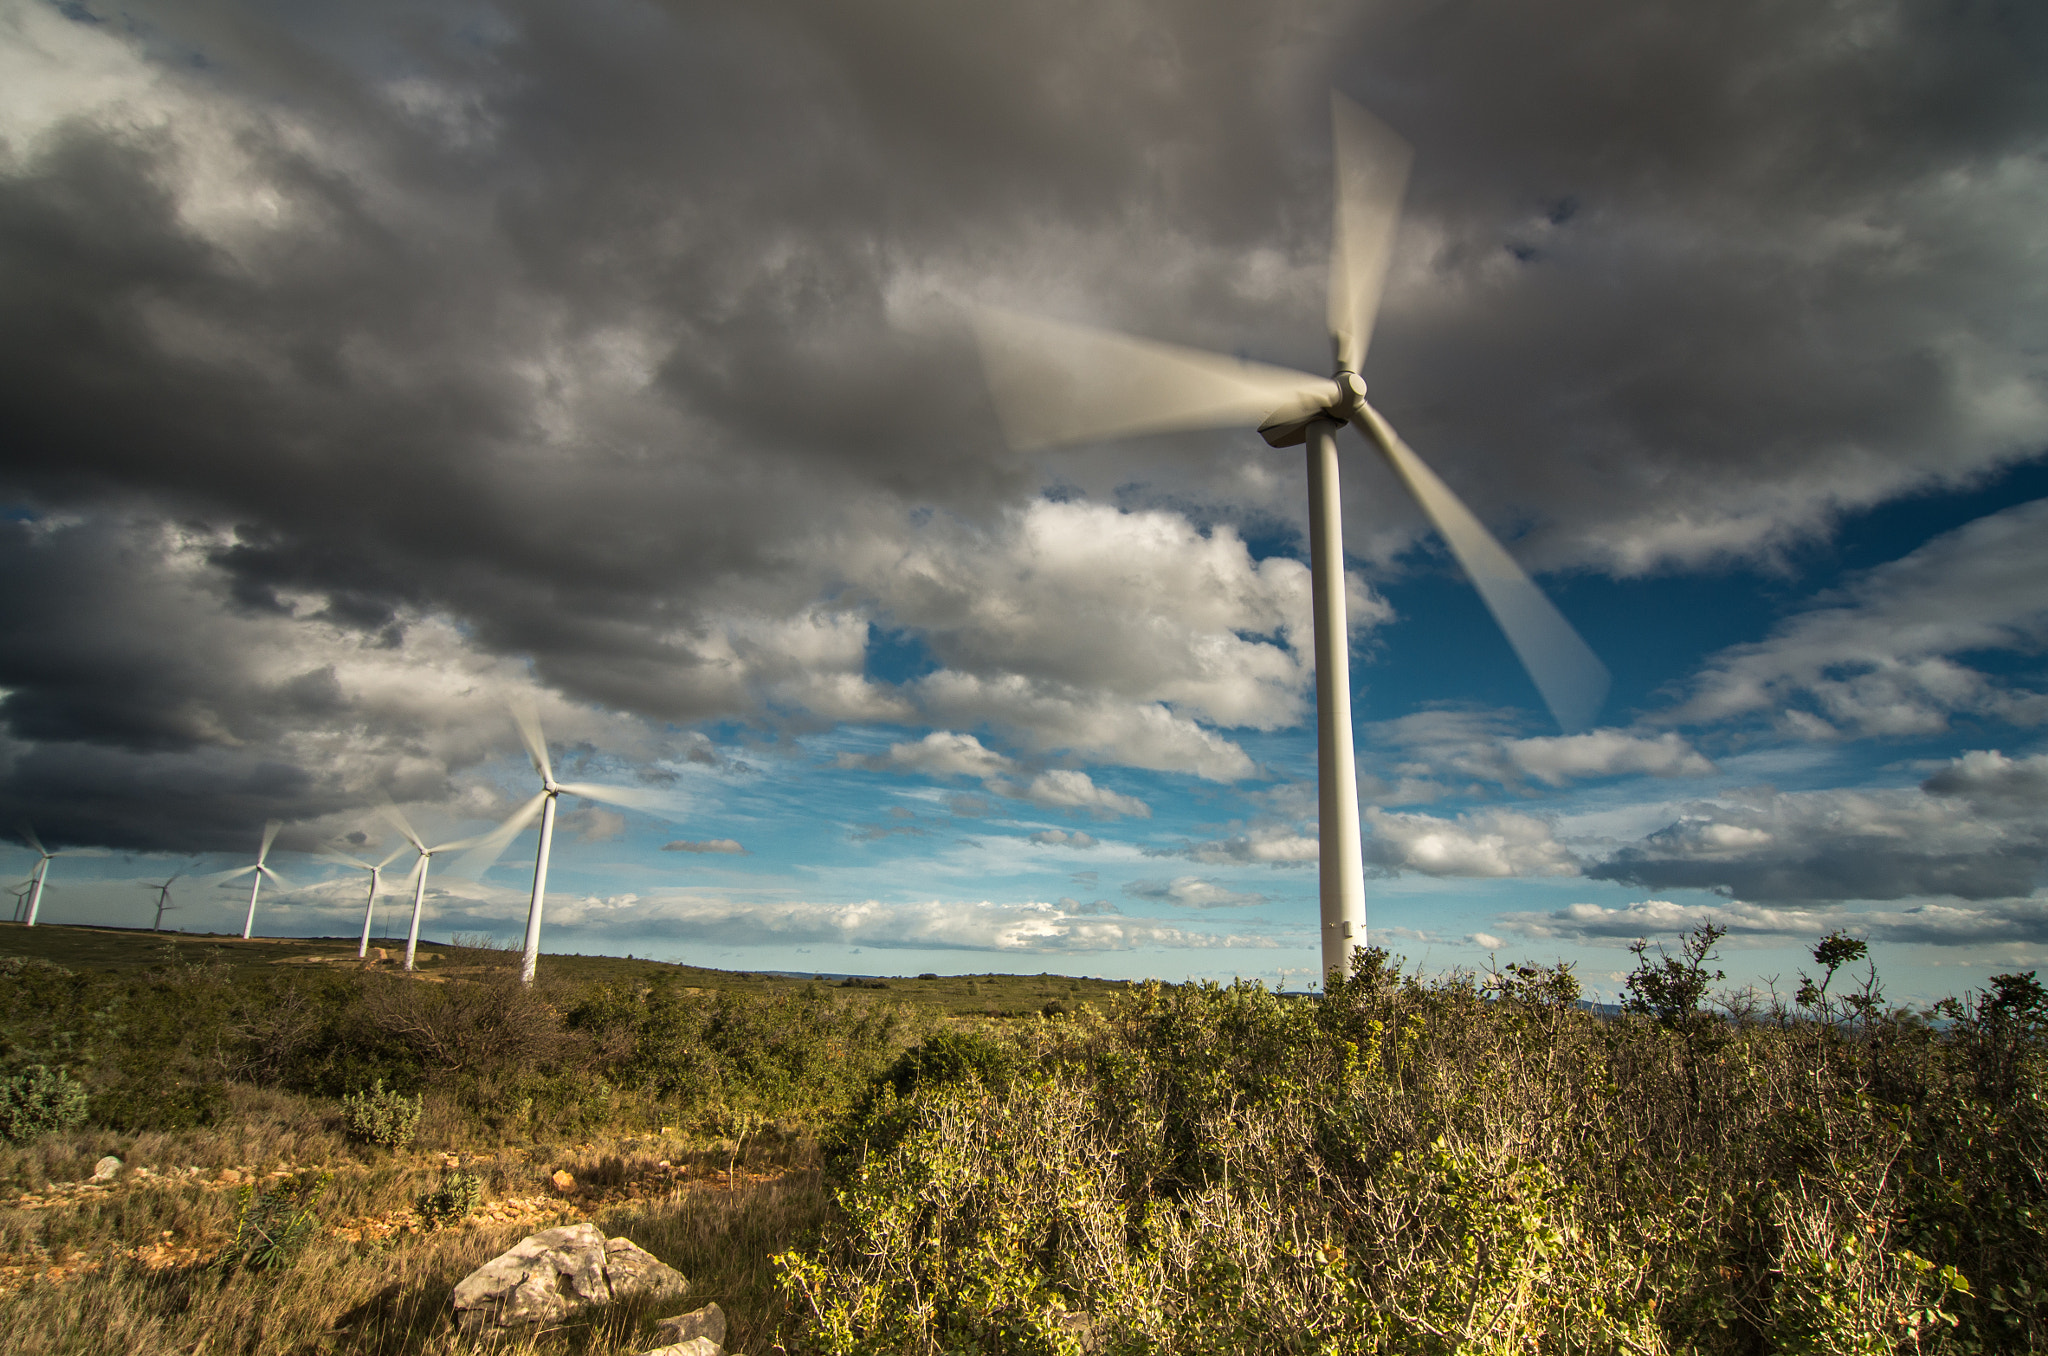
pixel 104 1170
pixel 706 1322
pixel 563 1181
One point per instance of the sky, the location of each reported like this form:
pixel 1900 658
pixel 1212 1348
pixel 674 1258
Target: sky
pixel 368 369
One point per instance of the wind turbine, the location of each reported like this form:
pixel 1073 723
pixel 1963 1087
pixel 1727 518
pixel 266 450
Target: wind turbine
pixel 20 893
pixel 41 873
pixel 489 847
pixel 376 886
pixel 1056 383
pixel 419 876
pixel 258 870
pixel 163 900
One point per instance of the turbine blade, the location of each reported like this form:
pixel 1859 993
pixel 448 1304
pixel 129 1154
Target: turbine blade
pixel 396 853
pixel 223 877
pixel 397 820
pixel 1372 176
pixel 279 881
pixel 28 834
pixel 491 846
pixel 345 859
pixel 528 721
pixel 631 797
pixel 1570 676
pixel 1056 383
pixel 269 837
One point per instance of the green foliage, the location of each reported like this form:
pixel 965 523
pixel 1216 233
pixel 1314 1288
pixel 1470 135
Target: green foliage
pixel 378 1116
pixel 37 1101
pixel 1472 1164
pixel 457 1198
pixel 1673 989
pixel 273 1227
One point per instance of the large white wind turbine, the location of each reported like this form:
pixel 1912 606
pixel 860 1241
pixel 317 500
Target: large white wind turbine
pixel 41 873
pixel 258 870
pixel 542 802
pixel 1056 383
pixel 376 870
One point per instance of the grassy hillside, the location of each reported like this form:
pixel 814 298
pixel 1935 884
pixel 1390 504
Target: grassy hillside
pixel 108 950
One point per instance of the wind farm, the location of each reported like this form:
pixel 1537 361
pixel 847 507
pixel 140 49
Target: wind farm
pixel 1023 678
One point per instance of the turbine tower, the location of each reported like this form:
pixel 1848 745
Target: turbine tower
pixel 163 899
pixel 489 847
pixel 419 879
pixel 41 873
pixel 1056 383
pixel 376 871
pixel 37 877
pixel 258 870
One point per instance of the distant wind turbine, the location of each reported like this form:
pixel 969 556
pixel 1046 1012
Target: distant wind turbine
pixel 1056 383
pixel 258 870
pixel 488 848
pixel 163 899
pixel 20 893
pixel 376 871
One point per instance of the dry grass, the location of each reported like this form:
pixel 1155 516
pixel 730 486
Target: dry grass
pixel 91 1268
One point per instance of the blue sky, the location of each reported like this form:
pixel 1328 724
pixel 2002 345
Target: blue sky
pixel 371 371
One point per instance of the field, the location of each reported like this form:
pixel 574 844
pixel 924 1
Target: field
pixel 1461 1163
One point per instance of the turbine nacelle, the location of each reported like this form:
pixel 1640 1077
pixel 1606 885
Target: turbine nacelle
pixel 1288 426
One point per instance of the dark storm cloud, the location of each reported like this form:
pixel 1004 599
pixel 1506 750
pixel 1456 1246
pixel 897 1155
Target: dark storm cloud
pixel 607 335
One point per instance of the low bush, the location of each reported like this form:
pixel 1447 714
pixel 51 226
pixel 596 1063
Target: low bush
pixel 39 1100
pixel 457 1198
pixel 378 1116
pixel 273 1226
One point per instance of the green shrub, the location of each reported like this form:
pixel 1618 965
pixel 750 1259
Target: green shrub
pixel 39 1100
pixel 459 1195
pixel 380 1117
pixel 274 1226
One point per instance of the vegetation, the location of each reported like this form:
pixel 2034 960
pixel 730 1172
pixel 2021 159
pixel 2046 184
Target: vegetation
pixel 317 1151
pixel 1474 1163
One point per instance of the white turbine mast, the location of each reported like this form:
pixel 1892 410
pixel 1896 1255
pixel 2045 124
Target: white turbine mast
pixel 376 870
pixel 259 870
pixel 1056 383
pixel 489 847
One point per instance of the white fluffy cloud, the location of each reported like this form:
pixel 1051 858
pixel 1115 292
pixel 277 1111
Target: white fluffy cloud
pixel 1192 892
pixel 1442 746
pixel 1062 838
pixel 944 753
pixel 1884 660
pixel 1030 927
pixel 1481 843
pixel 1984 923
pixel 1271 845
pixel 1974 830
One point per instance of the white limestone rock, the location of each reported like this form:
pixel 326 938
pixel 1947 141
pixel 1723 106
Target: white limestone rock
pixel 706 1322
pixel 551 1274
